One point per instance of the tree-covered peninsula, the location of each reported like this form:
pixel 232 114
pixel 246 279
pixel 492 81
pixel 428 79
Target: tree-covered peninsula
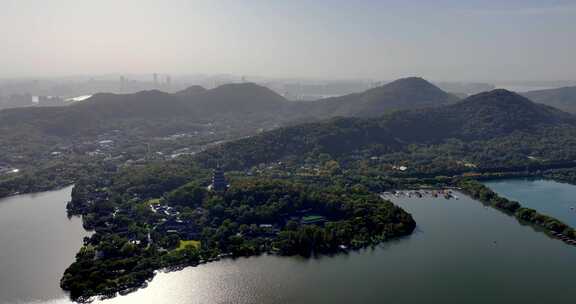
pixel 525 215
pixel 174 222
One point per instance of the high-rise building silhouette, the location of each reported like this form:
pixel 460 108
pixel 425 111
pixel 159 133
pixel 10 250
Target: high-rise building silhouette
pixel 168 81
pixel 155 77
pixel 122 84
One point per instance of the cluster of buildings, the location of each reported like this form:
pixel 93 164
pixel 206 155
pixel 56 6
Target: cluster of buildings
pixel 172 222
pixel 16 100
pixel 28 100
pixel 50 101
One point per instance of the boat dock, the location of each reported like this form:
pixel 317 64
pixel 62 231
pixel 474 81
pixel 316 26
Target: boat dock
pixel 564 238
pixel 445 193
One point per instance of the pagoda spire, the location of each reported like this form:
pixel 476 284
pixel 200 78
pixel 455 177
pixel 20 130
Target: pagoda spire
pixel 219 183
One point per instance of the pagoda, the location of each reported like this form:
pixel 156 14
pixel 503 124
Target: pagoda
pixel 219 183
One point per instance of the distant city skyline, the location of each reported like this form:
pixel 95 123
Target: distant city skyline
pixel 443 40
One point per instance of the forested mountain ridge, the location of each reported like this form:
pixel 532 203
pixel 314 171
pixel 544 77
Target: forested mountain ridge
pixel 482 117
pixel 401 94
pixel 239 98
pixel 191 91
pixel 106 110
pixel 337 136
pixel 143 103
pixel 236 101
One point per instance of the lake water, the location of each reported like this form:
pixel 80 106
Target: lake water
pixel 548 197
pixel 462 252
pixel 37 243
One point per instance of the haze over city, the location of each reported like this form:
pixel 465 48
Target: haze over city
pixel 442 40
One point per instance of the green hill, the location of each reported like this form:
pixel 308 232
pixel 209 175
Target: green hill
pixel 402 94
pixel 482 117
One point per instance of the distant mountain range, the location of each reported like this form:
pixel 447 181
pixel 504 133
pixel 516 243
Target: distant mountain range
pixel 561 98
pixel 406 110
pixel 242 101
pixel 105 110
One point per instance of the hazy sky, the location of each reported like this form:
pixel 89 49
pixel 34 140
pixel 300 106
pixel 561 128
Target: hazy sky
pixel 437 39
